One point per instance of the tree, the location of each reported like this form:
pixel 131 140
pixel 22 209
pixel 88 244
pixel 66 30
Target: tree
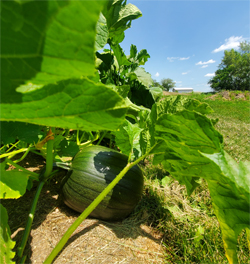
pixel 233 72
pixel 156 84
pixel 167 84
pixel 245 47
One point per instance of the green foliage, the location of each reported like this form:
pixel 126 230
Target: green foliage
pixel 174 104
pixel 13 183
pixel 230 198
pixel 232 121
pixel 167 84
pixel 52 78
pixel 6 244
pixel 119 15
pixel 12 131
pixel 156 84
pixel 127 138
pixel 73 103
pixel 101 33
pixel 233 72
pixel 182 219
pixel 57 46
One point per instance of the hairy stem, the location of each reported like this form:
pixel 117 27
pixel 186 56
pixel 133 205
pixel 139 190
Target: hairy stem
pixel 48 170
pixel 49 157
pixel 30 220
pixel 77 138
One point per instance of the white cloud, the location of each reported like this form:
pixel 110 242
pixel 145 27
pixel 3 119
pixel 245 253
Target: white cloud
pixel 157 74
pixel 184 73
pixel 210 75
pixel 183 58
pixel 205 62
pixel 178 81
pixel 230 43
pixel 171 59
pixel 204 66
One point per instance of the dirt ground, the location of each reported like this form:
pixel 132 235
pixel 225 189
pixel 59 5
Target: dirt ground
pixel 94 241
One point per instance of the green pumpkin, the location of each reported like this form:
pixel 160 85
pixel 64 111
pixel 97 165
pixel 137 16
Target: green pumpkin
pixel 92 170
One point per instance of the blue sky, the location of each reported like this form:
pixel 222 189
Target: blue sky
pixel 186 39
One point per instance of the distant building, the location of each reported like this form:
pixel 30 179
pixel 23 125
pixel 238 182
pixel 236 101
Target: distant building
pixel 183 90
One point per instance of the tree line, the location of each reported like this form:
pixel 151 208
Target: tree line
pixel 234 71
pixel 166 84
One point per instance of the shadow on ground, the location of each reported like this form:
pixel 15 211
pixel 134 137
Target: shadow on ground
pixel 94 241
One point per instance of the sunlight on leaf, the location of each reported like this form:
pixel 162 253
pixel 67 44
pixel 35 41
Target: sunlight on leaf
pixel 12 183
pixel 77 103
pixel 6 244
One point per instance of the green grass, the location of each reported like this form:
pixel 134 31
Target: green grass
pixel 233 124
pixel 191 232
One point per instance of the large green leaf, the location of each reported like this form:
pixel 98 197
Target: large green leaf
pixel 101 33
pixel 143 77
pixel 145 96
pixel 230 196
pixel 190 148
pixel 147 121
pixel 11 131
pixel 119 16
pixel 142 57
pixel 122 90
pixel 184 135
pixel 6 244
pixel 120 56
pixel 157 93
pixel 105 59
pixel 12 183
pixel 127 139
pixel 133 52
pixel 46 41
pixel 74 103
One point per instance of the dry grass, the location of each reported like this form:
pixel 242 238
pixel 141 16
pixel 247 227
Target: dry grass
pixel 94 241
pixel 163 229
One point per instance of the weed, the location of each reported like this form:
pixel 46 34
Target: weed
pixel 191 232
pixel 234 120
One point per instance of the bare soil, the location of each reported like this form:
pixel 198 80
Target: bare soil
pixel 94 241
